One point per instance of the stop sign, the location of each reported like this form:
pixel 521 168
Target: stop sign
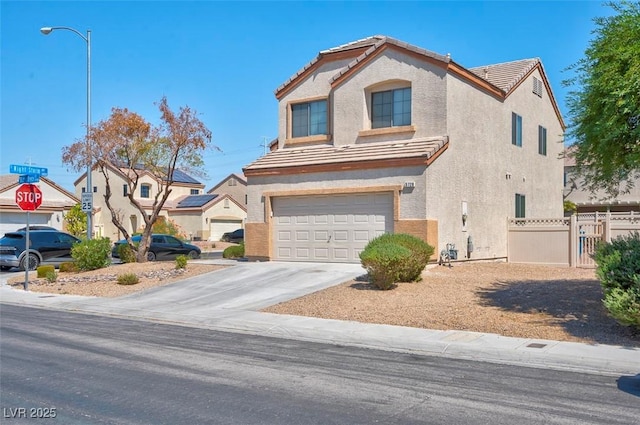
pixel 28 197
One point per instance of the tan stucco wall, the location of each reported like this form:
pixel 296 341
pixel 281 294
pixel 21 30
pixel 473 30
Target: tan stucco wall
pixel 237 191
pixel 483 168
pixel 480 168
pixel 600 201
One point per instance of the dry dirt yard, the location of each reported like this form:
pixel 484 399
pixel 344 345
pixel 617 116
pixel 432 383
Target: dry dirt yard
pixel 103 282
pixel 562 304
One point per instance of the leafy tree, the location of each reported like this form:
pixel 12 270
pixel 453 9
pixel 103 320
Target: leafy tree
pixel 168 227
pixel 76 221
pixel 604 105
pixel 127 142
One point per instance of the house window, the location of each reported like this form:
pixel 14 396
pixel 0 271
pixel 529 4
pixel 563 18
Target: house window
pixel 308 119
pixel 391 108
pixel 125 190
pixel 246 199
pixel 520 206
pixel 226 203
pixel 516 129
pixel 195 191
pixel 95 189
pixel 232 182
pixel 537 87
pixel 145 190
pixel 542 140
pixel 84 190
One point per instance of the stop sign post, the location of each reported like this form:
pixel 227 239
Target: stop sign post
pixel 28 197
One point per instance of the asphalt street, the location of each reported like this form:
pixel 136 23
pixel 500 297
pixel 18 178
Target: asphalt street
pixel 102 370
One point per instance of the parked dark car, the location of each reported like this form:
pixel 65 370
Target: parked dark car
pixel 237 236
pixel 163 247
pixel 36 227
pixel 45 247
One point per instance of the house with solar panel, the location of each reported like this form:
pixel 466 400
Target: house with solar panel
pixel 381 136
pixel 200 215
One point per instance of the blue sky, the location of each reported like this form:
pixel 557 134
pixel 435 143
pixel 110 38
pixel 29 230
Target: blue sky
pixel 225 59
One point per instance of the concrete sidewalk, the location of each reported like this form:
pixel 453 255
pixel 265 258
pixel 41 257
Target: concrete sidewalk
pixel 229 300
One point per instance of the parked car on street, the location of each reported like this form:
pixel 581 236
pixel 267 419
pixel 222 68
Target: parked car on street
pixel 237 236
pixel 45 247
pixel 162 247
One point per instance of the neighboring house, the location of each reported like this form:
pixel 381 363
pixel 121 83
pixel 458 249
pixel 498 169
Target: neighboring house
pixel 587 202
pixel 381 136
pixel 128 214
pixel 209 216
pixel 233 185
pixel 56 203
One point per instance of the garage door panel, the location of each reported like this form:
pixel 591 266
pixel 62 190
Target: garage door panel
pixel 284 235
pixel 321 254
pixel 339 226
pixel 302 254
pixel 340 235
pixel 302 235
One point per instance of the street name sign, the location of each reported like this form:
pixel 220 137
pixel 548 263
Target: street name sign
pixel 28 169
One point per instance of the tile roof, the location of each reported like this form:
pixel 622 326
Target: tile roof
pixel 7 180
pixel 322 155
pixel 372 44
pixel 505 75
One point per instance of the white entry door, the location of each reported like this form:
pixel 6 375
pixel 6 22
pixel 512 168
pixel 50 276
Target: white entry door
pixel 331 228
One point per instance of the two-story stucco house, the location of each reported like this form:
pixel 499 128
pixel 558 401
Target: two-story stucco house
pixel 128 214
pixel 378 135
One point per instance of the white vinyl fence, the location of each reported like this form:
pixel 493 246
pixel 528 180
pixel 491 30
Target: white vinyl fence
pixel 569 241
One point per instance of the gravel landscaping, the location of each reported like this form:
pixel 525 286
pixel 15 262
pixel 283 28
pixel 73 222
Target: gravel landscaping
pixel 562 304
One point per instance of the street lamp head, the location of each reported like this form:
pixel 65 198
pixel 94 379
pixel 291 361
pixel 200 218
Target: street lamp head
pixel 46 30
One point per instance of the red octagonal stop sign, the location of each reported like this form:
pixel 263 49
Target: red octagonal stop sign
pixel 28 197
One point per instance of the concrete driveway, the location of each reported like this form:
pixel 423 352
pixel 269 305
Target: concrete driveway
pixel 241 287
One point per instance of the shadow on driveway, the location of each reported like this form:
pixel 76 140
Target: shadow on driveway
pixel 576 305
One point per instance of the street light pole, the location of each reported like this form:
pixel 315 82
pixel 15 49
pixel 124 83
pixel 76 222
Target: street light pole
pixel 89 186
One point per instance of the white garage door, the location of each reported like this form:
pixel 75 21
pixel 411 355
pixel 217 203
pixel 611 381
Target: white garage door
pixel 11 221
pixel 332 228
pixel 220 227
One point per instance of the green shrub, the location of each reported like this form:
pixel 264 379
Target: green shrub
pixel 618 262
pixel 385 263
pixel 43 270
pixel 51 276
pixel 92 254
pixel 624 306
pixel 69 267
pixel 181 261
pixel 411 269
pixel 234 251
pixel 126 253
pixel 128 279
pixel 618 268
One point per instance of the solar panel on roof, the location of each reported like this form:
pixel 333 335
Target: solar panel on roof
pixel 195 201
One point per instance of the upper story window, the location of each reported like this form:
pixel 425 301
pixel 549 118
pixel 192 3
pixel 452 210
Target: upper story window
pixel 194 191
pixel 309 118
pixel 537 87
pixel 145 191
pixel 391 108
pixel 125 190
pixel 516 129
pixel 232 182
pixel 542 140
